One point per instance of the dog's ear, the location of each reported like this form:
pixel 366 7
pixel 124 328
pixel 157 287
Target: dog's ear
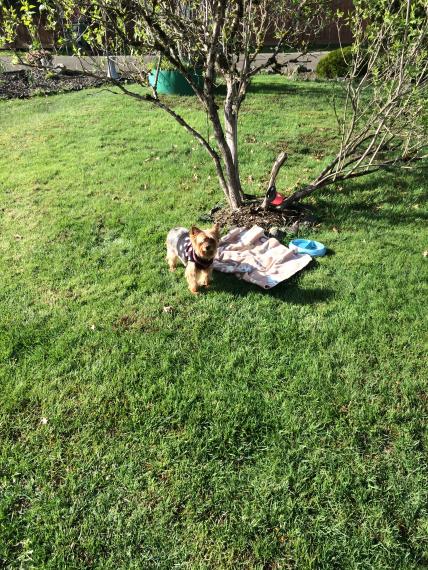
pixel 215 230
pixel 194 231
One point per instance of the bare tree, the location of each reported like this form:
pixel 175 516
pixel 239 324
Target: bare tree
pixel 384 119
pixel 220 38
pixel 381 117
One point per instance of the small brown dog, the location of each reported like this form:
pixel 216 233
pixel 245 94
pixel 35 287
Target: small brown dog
pixel 196 249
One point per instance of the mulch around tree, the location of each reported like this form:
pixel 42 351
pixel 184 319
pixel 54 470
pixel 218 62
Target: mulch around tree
pixel 26 83
pixel 275 222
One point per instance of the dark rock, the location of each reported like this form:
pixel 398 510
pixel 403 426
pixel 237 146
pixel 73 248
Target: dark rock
pixel 276 233
pixel 294 228
pixel 205 218
pixel 216 208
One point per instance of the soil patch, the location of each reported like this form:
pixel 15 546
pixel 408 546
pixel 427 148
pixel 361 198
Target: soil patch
pixel 29 82
pixel 273 221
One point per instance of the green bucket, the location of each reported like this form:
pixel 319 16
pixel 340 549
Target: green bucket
pixel 173 82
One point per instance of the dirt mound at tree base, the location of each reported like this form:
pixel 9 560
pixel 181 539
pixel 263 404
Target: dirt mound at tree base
pixel 276 222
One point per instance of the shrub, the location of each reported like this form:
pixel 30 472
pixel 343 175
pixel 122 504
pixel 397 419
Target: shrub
pixel 335 64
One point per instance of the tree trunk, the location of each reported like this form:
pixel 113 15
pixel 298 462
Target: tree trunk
pixel 230 176
pixel 235 197
pixel 231 132
pixel 233 181
pixel 225 165
pixel 230 158
pixel 231 139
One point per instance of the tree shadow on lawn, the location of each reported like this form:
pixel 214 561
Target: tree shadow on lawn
pixel 287 87
pixel 288 291
pixel 369 200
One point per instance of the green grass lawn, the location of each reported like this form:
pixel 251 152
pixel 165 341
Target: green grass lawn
pixel 246 429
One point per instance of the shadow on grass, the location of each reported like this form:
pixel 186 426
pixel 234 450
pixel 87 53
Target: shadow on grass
pixel 289 291
pixel 387 197
pixel 287 87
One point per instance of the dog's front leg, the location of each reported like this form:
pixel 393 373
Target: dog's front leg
pixel 210 276
pixel 206 277
pixel 192 278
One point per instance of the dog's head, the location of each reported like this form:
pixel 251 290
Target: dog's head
pixel 205 242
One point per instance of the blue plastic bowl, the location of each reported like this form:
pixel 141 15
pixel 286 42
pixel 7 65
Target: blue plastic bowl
pixel 313 248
